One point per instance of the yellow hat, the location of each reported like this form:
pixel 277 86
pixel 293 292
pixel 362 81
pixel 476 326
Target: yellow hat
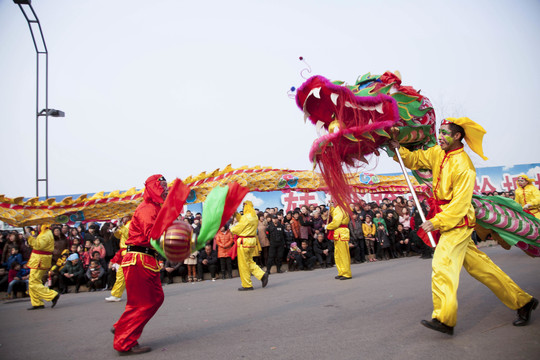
pixel 474 133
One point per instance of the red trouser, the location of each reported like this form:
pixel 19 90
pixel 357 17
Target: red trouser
pixel 144 297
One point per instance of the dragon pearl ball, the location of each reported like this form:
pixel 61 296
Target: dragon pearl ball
pixel 177 241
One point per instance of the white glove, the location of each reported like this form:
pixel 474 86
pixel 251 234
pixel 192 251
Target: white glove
pixel 526 206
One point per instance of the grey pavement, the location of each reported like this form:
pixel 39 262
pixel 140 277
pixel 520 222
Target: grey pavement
pixel 299 315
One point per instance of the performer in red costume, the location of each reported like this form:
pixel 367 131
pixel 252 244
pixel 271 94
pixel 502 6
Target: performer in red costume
pixel 141 271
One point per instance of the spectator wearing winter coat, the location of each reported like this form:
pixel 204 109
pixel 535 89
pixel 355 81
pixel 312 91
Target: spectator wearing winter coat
pixel 13 257
pixel 71 274
pixel 306 224
pixel 224 241
pixel 357 236
pixel 207 261
pixel 305 259
pixel 324 250
pixel 95 275
pixel 403 241
pixel 275 232
pixel 318 223
pixel 295 226
pixel 391 225
pixel 384 242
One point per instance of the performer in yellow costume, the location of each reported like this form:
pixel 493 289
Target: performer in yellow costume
pixel 454 179
pixel 39 264
pixel 340 234
pixel 246 230
pixel 528 195
pixel 121 233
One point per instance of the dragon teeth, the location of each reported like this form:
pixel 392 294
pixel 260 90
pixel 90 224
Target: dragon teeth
pixel 379 108
pixel 334 98
pixel 318 127
pixel 315 92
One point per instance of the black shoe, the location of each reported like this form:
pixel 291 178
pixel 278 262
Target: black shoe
pixel 136 350
pixel 245 289
pixel 337 277
pixel 55 300
pixel 345 278
pixel 264 280
pixel 63 291
pixel 524 313
pixel 169 282
pixel 435 324
pixel 278 270
pixel 37 307
pixel 113 330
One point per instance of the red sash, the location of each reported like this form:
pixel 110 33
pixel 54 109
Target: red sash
pixel 331 232
pixel 233 252
pixel 434 209
pixel 41 252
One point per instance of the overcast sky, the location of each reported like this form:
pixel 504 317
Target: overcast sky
pixel 181 87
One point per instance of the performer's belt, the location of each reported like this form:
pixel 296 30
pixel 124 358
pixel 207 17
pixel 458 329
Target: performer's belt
pixel 142 249
pixel 41 252
pixel 241 240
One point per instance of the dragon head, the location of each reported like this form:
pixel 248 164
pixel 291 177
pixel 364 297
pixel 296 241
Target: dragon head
pixel 357 120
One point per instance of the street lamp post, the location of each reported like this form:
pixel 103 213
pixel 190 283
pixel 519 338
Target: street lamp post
pixel 41 54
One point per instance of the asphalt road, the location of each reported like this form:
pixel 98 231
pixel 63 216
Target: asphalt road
pixel 300 315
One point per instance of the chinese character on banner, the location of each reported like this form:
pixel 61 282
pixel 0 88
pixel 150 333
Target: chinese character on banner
pixel 485 186
pixel 294 199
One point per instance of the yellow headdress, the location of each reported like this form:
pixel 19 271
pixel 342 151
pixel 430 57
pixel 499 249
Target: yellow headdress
pixel 474 133
pixel 526 178
pixel 248 208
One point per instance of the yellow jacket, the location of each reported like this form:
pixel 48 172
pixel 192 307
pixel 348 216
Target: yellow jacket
pixel 529 195
pixel 369 229
pixel 248 223
pixel 339 218
pixel 454 177
pixel 122 233
pixel 43 242
pixel 247 226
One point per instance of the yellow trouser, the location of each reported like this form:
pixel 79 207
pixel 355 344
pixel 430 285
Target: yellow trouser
pixel 247 248
pixel 456 248
pixel 342 257
pixel 119 284
pixel 37 291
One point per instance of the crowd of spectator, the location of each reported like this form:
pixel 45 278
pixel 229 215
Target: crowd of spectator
pixel 82 254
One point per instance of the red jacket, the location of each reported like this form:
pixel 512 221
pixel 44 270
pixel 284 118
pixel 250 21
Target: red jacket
pixel 145 214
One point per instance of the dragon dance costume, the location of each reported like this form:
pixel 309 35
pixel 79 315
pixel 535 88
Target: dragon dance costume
pixel 246 230
pixel 453 184
pixel 39 264
pixel 339 232
pixel 528 196
pixel 141 270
